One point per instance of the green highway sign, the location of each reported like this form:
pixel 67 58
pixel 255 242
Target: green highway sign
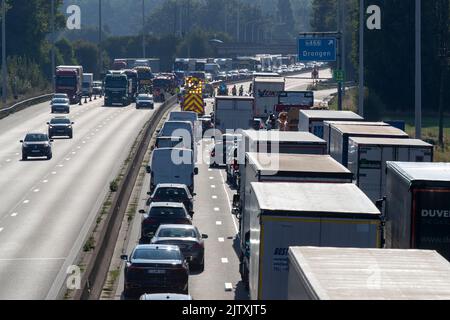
pixel 339 76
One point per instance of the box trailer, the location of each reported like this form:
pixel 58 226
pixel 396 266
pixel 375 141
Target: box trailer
pixel 417 206
pixel 328 123
pixel 367 159
pixel 233 113
pixel 283 215
pixel 266 91
pixel 340 134
pixel 282 142
pixel 264 167
pixel 367 274
pixel 312 120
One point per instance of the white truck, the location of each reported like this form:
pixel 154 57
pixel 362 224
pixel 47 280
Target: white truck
pixel 340 134
pixel 312 120
pixel 266 91
pixel 417 206
pixel 264 167
pixel 367 274
pixel 283 215
pixel 233 113
pixel 88 84
pixel 367 159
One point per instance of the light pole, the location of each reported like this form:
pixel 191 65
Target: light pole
pixel 4 73
pixel 418 73
pixel 100 58
pixel 361 59
pixel 53 42
pixel 238 22
pixel 339 63
pixel 143 29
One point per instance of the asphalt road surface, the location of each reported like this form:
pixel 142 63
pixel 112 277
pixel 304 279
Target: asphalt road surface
pixel 48 206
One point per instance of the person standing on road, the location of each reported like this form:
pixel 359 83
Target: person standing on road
pixel 234 91
pixel 283 123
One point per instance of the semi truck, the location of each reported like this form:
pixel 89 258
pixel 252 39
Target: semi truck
pixel 367 274
pixel 88 83
pixel 144 79
pixel 367 159
pixel 417 206
pixel 233 113
pixel 266 92
pixel 312 120
pixel 340 134
pixel 118 89
pixel 264 167
pixel 69 80
pixel 133 76
pixel 283 215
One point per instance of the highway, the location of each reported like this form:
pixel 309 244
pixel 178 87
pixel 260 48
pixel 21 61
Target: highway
pixel 48 207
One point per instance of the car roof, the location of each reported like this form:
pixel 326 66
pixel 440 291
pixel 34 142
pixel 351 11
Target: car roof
pixel 157 246
pixel 167 205
pixel 177 226
pixel 171 185
pixel 40 133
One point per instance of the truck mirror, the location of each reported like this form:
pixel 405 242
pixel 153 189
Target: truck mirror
pixel 148 169
pixel 196 171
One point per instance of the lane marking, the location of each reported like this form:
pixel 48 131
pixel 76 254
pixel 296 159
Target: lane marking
pixel 219 223
pixel 228 286
pixel 74 152
pixel 67 159
pixel 224 260
pixel 221 239
pixel 31 259
pixel 14 214
pixel 1 229
pixel 53 172
pixel 8 160
pixel 211 178
pixel 44 181
pixel 36 190
pixel 216 209
pixel 214 197
pixel 60 165
pixel 229 203
pixel 213 186
pixel 26 201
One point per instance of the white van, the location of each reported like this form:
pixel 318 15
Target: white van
pixel 190 116
pixel 172 165
pixel 182 129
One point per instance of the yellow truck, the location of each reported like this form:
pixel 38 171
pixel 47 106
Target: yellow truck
pixel 192 100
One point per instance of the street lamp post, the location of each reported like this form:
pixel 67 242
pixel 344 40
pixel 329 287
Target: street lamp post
pixel 4 73
pixel 418 72
pixel 53 42
pixel 143 29
pixel 361 59
pixel 100 58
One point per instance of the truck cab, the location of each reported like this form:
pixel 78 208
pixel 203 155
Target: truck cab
pixel 118 89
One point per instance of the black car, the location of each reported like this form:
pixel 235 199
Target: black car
pixel 36 145
pixel 155 269
pixel 162 213
pixel 173 193
pixel 61 127
pixel 60 108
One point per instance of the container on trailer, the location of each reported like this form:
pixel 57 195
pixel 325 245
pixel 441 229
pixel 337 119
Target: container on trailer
pixel 417 206
pixel 266 92
pixel 367 159
pixel 340 134
pixel 367 274
pixel 312 120
pixel 233 113
pixel 283 215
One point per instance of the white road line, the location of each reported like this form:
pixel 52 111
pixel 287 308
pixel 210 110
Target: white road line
pixel 26 201
pixel 44 181
pixel 211 178
pixel 36 190
pixel 1 229
pixel 74 152
pixel 213 186
pixel 8 160
pixel 221 239
pixel 224 260
pixel 14 214
pixel 31 259
pixel 216 209
pixel 60 165
pixel 228 286
pixel 209 170
pixel 214 197
pixel 67 159
pixel 83 142
pixel 218 223
pixel 229 202
pixel 54 172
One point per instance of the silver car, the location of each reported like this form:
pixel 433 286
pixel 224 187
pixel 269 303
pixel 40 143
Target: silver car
pixel 187 238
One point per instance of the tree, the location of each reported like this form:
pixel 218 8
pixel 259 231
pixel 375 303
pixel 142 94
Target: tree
pixel 66 51
pixel 87 55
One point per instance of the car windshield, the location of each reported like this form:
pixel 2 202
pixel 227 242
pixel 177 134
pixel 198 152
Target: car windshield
pixel 177 233
pixel 69 81
pixel 32 137
pixel 60 100
pixel 167 212
pixel 60 96
pixel 60 121
pixel 170 194
pixel 157 254
pixel 144 97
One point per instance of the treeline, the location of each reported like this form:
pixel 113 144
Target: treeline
pixel 389 52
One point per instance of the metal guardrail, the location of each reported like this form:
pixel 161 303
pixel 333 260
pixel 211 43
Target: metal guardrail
pixel 97 269
pixel 24 104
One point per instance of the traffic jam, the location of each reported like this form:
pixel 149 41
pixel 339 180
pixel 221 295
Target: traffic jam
pixel 302 177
